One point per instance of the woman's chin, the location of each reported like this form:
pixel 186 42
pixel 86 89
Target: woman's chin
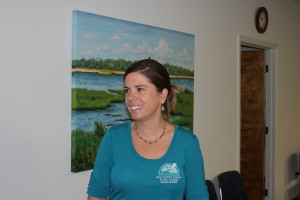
pixel 135 118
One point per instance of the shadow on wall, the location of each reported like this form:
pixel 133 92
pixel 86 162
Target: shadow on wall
pixel 292 176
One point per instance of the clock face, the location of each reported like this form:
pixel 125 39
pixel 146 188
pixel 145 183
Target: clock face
pixel 261 20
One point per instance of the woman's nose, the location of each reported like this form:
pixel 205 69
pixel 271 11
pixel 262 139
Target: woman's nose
pixel 131 96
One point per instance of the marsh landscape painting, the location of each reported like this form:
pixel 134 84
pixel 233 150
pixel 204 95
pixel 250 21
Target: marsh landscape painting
pixel 102 49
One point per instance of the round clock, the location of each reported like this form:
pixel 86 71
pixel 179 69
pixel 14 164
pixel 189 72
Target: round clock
pixel 261 20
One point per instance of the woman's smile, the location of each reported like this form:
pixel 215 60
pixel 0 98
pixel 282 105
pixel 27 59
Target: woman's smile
pixel 135 107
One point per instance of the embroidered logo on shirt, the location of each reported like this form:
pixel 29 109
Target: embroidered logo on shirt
pixel 169 173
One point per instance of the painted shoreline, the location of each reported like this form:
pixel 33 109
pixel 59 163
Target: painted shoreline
pixel 105 71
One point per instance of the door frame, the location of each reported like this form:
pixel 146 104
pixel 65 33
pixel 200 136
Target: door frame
pixel 270 112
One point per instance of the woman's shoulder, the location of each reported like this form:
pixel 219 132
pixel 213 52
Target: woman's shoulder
pixel 117 133
pixel 120 127
pixel 119 130
pixel 184 133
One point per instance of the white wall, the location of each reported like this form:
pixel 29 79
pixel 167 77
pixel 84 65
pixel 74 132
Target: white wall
pixel 35 85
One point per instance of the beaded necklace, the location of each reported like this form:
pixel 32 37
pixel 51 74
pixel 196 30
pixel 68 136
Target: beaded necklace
pixel 149 142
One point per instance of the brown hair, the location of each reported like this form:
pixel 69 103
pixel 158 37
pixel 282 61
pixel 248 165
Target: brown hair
pixel 158 75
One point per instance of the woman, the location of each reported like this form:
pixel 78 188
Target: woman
pixel 148 158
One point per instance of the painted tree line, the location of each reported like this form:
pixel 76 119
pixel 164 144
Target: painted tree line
pixel 122 64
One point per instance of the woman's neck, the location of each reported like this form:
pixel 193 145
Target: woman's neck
pixel 150 128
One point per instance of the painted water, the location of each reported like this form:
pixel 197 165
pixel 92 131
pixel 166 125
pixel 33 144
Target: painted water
pixel 117 112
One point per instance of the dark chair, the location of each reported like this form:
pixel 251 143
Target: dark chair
pixel 211 190
pixel 231 186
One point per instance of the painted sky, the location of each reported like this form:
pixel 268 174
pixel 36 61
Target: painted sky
pixel 96 36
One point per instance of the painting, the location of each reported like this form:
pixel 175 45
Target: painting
pixel 102 49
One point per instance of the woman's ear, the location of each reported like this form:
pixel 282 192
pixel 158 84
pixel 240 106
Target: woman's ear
pixel 164 95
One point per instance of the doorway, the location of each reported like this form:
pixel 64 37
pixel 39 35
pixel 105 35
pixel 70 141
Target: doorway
pixel 257 114
pixel 252 138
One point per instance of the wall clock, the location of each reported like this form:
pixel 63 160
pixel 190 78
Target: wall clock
pixel 261 19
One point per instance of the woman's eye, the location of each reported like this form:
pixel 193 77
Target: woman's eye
pixel 140 89
pixel 126 90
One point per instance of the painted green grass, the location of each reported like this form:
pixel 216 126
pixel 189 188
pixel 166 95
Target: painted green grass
pixel 85 147
pixel 83 99
pixel 120 92
pixel 185 102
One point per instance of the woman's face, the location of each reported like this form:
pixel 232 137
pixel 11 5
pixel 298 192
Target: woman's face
pixel 141 97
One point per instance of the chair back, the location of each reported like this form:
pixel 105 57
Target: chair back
pixel 231 186
pixel 211 190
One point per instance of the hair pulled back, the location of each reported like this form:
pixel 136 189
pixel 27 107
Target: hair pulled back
pixel 158 75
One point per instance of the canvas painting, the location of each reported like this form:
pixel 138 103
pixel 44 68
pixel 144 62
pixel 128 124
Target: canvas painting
pixel 102 49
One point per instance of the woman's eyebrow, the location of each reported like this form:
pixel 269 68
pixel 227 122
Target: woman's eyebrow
pixel 136 86
pixel 141 85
